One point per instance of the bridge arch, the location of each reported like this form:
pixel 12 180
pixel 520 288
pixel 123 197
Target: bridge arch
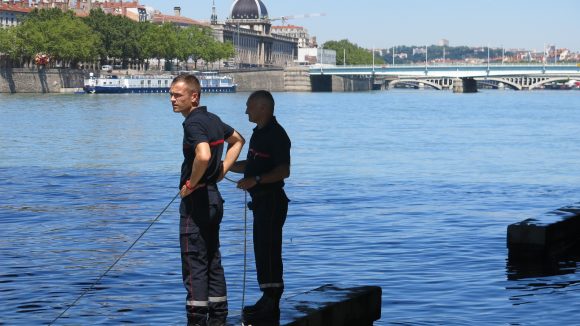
pixel 414 81
pixel 507 81
pixel 549 80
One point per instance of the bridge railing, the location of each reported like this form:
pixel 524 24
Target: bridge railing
pixel 458 64
pixel 450 71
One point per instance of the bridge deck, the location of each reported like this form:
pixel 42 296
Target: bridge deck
pixel 449 71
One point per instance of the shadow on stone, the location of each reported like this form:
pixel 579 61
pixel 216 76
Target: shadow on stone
pixel 330 305
pixel 7 75
pixel 548 244
pixel 520 267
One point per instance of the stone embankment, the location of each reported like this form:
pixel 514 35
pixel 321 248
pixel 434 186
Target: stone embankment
pixel 291 79
pixel 33 80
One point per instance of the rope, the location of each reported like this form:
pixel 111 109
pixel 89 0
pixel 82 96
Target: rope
pixel 245 248
pixel 115 263
pixel 92 286
pixel 245 245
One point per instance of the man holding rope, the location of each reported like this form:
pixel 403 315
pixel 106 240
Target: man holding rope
pixel 266 167
pixel 201 206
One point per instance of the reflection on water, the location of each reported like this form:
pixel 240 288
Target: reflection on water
pixel 543 265
pixel 410 191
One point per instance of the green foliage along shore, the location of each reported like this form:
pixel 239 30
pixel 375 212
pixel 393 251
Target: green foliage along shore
pixel 352 53
pixel 99 38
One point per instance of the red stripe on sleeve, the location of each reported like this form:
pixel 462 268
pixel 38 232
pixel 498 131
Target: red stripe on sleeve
pixel 216 143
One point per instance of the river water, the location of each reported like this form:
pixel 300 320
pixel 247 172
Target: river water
pixel 408 190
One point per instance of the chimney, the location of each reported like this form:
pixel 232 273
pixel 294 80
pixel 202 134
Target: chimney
pixel 177 11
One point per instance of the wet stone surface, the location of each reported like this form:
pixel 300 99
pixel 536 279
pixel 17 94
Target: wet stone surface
pixel 548 233
pixel 329 305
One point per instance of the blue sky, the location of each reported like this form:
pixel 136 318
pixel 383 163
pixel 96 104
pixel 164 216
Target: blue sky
pixel 383 23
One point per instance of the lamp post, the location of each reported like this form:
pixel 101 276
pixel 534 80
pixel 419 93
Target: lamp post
pixel 373 54
pixel 502 54
pixel 426 57
pixel 239 48
pixel 544 57
pixel 488 57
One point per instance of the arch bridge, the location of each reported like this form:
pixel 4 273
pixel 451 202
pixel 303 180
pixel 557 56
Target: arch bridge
pixel 518 77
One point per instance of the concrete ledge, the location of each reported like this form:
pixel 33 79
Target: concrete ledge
pixel 330 305
pixel 550 233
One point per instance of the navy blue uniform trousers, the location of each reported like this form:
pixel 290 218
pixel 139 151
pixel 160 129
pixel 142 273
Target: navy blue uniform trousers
pixel 269 209
pixel 202 270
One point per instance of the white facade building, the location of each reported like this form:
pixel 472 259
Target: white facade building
pixel 310 56
pixel 298 32
pixel 11 15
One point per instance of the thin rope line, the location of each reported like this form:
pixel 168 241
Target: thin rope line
pixel 230 180
pixel 115 263
pixel 245 249
pixel 245 245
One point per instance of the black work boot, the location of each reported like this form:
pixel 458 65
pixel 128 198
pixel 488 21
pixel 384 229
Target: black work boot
pixel 196 321
pixel 196 316
pixel 256 306
pixel 266 311
pixel 216 322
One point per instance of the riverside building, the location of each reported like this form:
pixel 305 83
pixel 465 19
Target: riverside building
pixel 12 12
pixel 249 29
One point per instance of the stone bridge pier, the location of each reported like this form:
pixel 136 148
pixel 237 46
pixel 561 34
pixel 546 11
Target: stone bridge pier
pixel 464 85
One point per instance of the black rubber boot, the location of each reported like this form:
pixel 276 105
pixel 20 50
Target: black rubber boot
pixel 194 321
pixel 216 322
pixel 257 306
pixel 196 316
pixel 266 311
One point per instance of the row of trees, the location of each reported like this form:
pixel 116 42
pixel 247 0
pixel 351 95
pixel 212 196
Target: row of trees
pixel 416 54
pixel 352 53
pixel 103 38
pixel 355 55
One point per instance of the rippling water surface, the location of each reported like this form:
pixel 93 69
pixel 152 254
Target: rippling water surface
pixel 408 190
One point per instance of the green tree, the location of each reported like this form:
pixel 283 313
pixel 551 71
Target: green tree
pixel 200 41
pixel 145 48
pixel 129 46
pixel 7 41
pixel 117 34
pixel 355 55
pixel 7 46
pixel 58 34
pixel 159 42
pixel 226 50
pixel 416 54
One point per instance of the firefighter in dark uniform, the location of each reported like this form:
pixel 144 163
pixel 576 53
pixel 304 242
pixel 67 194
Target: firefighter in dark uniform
pixel 201 206
pixel 265 168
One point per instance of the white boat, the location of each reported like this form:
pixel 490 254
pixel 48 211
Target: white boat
pixel 210 82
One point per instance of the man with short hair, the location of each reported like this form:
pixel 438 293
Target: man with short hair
pixel 201 206
pixel 265 168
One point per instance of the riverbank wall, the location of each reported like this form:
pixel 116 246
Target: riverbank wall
pixel 40 80
pixel 292 79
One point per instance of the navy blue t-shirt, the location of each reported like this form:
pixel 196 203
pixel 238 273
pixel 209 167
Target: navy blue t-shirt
pixel 202 126
pixel 269 147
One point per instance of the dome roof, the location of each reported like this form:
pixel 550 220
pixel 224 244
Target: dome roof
pixel 248 9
